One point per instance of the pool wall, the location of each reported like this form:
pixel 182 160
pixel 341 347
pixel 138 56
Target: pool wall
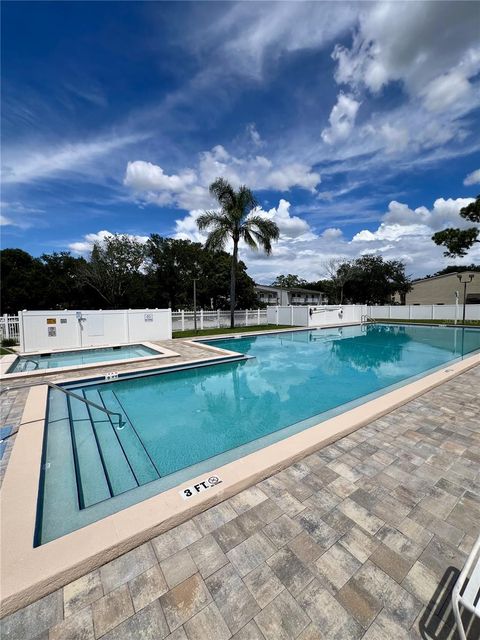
pixel 7 361
pixel 29 573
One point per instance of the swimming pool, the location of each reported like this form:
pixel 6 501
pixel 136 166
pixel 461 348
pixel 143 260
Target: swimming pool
pixel 189 421
pixel 55 360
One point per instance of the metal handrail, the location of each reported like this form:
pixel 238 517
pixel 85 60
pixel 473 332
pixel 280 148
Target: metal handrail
pixel 52 385
pixel 34 362
pixel 366 318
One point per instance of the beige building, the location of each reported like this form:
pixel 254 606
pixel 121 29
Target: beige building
pixel 442 289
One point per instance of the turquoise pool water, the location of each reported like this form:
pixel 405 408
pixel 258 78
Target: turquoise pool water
pixel 73 358
pixel 183 423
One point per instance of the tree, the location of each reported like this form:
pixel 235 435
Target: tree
pixel 236 221
pixel 375 280
pixel 63 288
pixel 23 281
pixel 339 271
pixel 114 269
pixel 459 241
pixel 288 282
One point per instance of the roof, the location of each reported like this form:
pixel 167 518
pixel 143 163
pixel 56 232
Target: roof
pixel 444 275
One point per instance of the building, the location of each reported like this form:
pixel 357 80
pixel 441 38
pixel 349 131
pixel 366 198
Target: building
pixel 292 296
pixel 442 289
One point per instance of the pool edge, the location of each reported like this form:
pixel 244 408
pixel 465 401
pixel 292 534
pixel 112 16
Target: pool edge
pixel 29 573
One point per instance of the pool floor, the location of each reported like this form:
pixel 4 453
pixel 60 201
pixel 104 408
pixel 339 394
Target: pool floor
pixel 193 420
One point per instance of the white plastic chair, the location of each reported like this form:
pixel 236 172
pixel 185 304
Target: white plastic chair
pixel 470 598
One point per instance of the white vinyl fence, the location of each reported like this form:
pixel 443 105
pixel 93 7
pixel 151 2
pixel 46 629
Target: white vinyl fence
pixel 45 330
pixel 9 328
pixel 184 320
pixel 318 316
pixel 425 312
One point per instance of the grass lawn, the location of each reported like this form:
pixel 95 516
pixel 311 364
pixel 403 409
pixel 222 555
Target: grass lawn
pixel 470 323
pixel 215 332
pixel 4 352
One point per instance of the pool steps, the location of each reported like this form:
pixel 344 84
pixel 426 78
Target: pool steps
pixel 107 460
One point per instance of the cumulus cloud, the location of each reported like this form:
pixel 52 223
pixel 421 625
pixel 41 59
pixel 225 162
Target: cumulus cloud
pixel 189 188
pixel 472 178
pixel 437 68
pixel 402 234
pixel 291 227
pixel 342 119
pixel 86 245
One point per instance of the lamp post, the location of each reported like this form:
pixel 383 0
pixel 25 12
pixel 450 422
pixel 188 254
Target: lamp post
pixel 464 282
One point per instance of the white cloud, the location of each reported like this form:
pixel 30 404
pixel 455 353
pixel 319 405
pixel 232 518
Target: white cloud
pixel 472 178
pixel 403 234
pixel 332 233
pixel 189 188
pixel 86 245
pixel 291 227
pixel 16 214
pixel 412 51
pixel 27 165
pixel 342 119
pixel 253 135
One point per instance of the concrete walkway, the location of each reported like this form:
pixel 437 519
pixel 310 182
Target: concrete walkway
pixel 363 539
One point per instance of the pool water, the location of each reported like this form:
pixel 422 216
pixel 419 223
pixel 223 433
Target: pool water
pixel 182 423
pixel 84 356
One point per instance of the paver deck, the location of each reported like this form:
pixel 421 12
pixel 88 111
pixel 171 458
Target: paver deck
pixel 363 539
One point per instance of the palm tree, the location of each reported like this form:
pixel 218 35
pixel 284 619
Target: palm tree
pixel 236 221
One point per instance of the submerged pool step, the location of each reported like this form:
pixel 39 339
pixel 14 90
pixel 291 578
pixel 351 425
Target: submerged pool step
pixel 108 460
pixel 139 460
pixel 119 473
pixel 92 482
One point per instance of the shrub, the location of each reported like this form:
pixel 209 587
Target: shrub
pixel 9 342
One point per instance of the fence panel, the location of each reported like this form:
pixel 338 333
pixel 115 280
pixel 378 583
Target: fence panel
pixel 425 312
pixel 9 328
pixel 185 320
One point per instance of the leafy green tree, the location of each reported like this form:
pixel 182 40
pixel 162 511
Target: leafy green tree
pixel 459 241
pixel 340 271
pixel 114 269
pixel 23 281
pixel 375 280
pixel 289 281
pixel 63 288
pixel 235 221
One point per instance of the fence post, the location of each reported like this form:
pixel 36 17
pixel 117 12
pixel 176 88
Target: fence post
pixel 183 319
pixel 218 318
pixel 389 312
pixel 291 316
pixel 258 316
pixel 409 311
pixel 6 332
pixel 201 318
pixel 433 312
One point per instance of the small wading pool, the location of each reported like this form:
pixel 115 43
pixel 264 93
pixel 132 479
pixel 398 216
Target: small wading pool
pixel 181 423
pixel 55 360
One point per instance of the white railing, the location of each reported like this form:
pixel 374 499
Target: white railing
pixel 184 320
pixel 9 328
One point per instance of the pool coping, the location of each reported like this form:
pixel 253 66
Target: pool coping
pixel 29 573
pixel 7 361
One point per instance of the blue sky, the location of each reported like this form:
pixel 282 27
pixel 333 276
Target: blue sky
pixel 356 124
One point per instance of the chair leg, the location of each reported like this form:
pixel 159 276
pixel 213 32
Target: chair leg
pixel 458 619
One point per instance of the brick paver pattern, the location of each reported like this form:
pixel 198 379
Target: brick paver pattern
pixel 362 539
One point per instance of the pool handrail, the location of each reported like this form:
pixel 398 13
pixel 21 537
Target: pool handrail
pixel 52 385
pixel 366 318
